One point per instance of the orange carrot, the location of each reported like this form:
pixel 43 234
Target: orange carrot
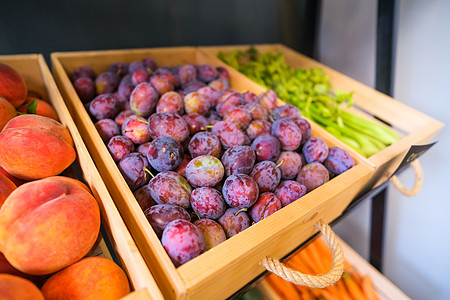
pixel 368 289
pixel 353 288
pixel 307 294
pixel 298 263
pixel 320 260
pixel 347 266
pixel 357 276
pixel 323 246
pixel 277 289
pixel 326 294
pixel 286 287
pixel 332 289
pixel 343 292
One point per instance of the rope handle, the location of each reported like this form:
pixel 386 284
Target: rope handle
pixel 417 182
pixel 315 281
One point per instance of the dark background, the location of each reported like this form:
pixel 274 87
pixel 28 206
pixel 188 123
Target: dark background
pixel 48 26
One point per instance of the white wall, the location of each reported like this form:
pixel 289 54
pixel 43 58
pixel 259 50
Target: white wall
pixel 417 238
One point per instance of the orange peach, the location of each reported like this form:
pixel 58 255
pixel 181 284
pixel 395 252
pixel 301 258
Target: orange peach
pixel 42 108
pixel 90 278
pixel 48 224
pixel 6 187
pixel 17 181
pixel 7 268
pixel 7 112
pixel 12 85
pixel 35 147
pixel 17 288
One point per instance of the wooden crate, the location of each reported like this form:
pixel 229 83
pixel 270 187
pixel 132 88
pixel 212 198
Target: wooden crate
pixel 385 289
pixel 226 268
pixel 39 80
pixel 414 127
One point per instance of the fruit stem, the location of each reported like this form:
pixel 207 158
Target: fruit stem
pixel 142 121
pixel 281 162
pixel 254 107
pixel 241 210
pixel 206 127
pixel 149 172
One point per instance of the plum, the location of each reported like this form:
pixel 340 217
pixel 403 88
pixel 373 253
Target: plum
pixel 167 124
pixel 133 168
pixel 240 191
pixel 289 191
pixel 160 215
pixel 107 128
pixel 267 204
pixel 229 134
pixel 267 147
pixel 170 188
pixel 212 232
pixel 290 163
pixel 313 175
pixel 315 150
pixel 165 154
pixel 233 221
pixel 143 99
pixel 338 161
pixel 204 143
pixel 136 129
pixel 204 170
pixel 207 202
pixel 288 133
pixel 182 241
pixel 238 160
pixel 266 175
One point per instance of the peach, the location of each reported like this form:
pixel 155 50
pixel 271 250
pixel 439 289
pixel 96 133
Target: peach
pixel 48 224
pixel 6 187
pixel 7 268
pixel 90 278
pixel 12 85
pixel 42 108
pixel 17 288
pixel 7 112
pixel 35 147
pixel 17 181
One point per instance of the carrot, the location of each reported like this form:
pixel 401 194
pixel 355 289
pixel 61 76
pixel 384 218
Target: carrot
pixel 301 289
pixel 317 258
pixel 307 294
pixel 347 266
pixel 343 292
pixel 298 262
pixel 357 276
pixel 287 287
pixel 277 289
pixel 368 289
pixel 353 288
pixel 324 250
pixel 332 289
pixel 323 246
pixel 326 294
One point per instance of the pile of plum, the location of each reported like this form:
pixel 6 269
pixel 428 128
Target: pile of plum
pixel 203 161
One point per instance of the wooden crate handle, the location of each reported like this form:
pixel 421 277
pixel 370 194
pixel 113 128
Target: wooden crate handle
pixel 417 182
pixel 315 281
